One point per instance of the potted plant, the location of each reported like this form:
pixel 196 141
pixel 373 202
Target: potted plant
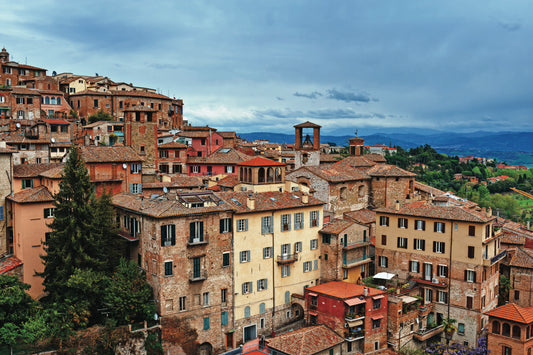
pixel 449 326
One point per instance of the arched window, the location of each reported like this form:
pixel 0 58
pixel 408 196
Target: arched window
pixel 246 311
pixel 47 100
pixel 262 308
pixel 53 101
pixel 59 101
pixel 261 175
pixel 516 331
pixel 270 175
pixel 506 330
pixel 287 297
pixel 496 327
pixel 278 175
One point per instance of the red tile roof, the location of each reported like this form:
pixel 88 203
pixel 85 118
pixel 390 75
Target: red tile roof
pixel 266 201
pixel 523 258
pixel 364 216
pixel 420 209
pixel 307 124
pixel 512 312
pixel 260 161
pixel 172 145
pixel 34 195
pixel 343 290
pixel 108 154
pixel 9 264
pixel 33 170
pixel 336 226
pixel 228 181
pixel 306 341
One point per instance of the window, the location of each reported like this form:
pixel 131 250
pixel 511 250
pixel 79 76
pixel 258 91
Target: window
pixel 225 259
pixel 442 297
pixel 376 304
pixel 262 284
pixel 242 225
pixel 267 225
pixel 383 240
pixel 442 270
pixel 163 153
pixel 298 220
pixel 420 244
pixel 298 247
pixel 314 218
pixel 342 193
pixel 168 235
pixel 516 295
pixel 344 274
pixel 438 247
pixel 469 302
pixel 49 212
pixel 461 328
pixel 95 103
pixel 472 231
pixel 384 221
pixel 136 188
pixel 267 252
pixel 506 350
pixel 225 225
pixel 383 261
pixel 414 266
pixel 135 168
pixel 439 227
pixel 168 268
pixel 470 276
pixel 376 323
pixel 402 243
pixel 420 225
pixel 376 345
pixel 308 266
pixel 224 318
pixel 314 244
pixel 326 238
pixel 471 252
pixel 246 288
pixel 285 271
pixel 402 222
pixel 206 323
pixel 429 295
pixel 285 222
pixel 196 230
pixel 1 213
pixel 205 299
pixel 20 100
pixel 228 169
pixel 182 303
pixel 27 183
pixel 245 256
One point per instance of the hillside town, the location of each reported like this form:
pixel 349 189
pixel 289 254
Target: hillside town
pixel 259 247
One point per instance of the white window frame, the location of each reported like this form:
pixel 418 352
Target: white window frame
pixel 297 247
pixel 261 285
pixel 441 296
pixel 419 243
pixel 384 221
pixel 403 222
pixel 267 252
pixel 440 247
pixel 440 269
pixel 49 212
pixel 308 266
pixel 440 227
pixel 183 303
pixel 470 275
pixel 419 225
pixel 415 264
pixel 285 271
pixel 298 220
pixel 246 289
pixel 205 299
pixel 402 242
pixel 244 256
pixel 266 224
pixel 428 295
pixel 383 260
pixel 314 219
pixel 314 244
pixel 241 225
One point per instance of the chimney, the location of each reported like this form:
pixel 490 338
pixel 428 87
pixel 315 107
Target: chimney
pixel 483 210
pixel 365 291
pixel 397 205
pixel 305 199
pixel 489 212
pixel 250 202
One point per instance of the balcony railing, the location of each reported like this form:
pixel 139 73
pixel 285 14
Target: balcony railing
pixel 356 261
pixel 197 241
pixel 198 276
pixel 424 334
pixel 491 261
pixel 352 317
pixel 356 244
pixel 287 258
pixel 353 336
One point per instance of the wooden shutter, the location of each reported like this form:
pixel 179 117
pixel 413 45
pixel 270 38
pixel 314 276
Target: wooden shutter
pixel 173 234
pixel 163 235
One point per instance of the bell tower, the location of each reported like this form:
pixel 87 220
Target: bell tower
pixel 306 144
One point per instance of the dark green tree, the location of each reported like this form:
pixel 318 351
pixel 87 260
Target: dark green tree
pixel 101 115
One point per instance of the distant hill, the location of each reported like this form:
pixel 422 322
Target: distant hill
pixel 511 147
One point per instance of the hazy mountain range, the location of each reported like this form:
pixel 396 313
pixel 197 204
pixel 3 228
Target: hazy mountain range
pixel 511 147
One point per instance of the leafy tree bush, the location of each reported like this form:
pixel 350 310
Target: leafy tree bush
pixel 101 115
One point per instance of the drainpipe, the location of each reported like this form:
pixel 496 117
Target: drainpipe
pixel 233 283
pixel 273 276
pixel 449 275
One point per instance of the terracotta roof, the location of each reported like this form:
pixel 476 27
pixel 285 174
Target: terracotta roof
pixel 172 145
pixel 260 161
pixel 512 312
pixel 34 195
pixel 389 170
pixel 9 263
pixel 307 124
pixel 56 121
pixel 95 124
pixel 90 93
pixel 266 201
pixel 108 154
pixel 306 341
pixel 330 158
pixel 139 93
pixel 343 290
pixel 222 156
pixel 33 170
pixel 376 158
pixel 199 128
pixel 25 91
pixel 54 173
pixel 334 173
pixel 55 92
pixel 511 238
pixel 356 162
pixel 227 134
pixel 522 257
pixel 228 181
pixel 194 134
pixel 18 137
pixel 336 226
pixel 420 209
pixel 428 189
pixel 363 216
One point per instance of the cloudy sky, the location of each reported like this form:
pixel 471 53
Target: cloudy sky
pixel 375 66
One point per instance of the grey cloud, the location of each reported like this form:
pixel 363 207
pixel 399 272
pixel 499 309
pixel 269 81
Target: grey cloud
pixel 279 98
pixel 314 95
pixel 162 66
pixel 325 114
pixel 510 26
pixel 334 94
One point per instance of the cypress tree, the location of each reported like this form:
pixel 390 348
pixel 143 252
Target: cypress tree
pixel 77 240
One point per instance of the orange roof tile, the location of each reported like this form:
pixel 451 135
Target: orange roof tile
pixel 108 154
pixel 420 209
pixel 336 226
pixel 363 216
pixel 34 195
pixel 9 264
pixel 343 290
pixel 512 312
pixel 523 258
pixel 33 170
pixel 306 341
pixel 260 161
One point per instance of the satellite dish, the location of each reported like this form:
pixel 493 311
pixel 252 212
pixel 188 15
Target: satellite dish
pixel 18 125
pixel 165 190
pixel 124 166
pixel 53 140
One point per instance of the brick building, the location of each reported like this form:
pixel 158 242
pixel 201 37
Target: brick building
pixel 223 161
pixel 6 188
pixel 11 73
pixel 306 148
pixel 510 330
pixel 172 158
pixel 313 340
pixel 355 312
pixel 451 252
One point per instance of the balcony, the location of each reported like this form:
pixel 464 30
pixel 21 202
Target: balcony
pixel 491 261
pixel 356 244
pixel 352 317
pixel 197 276
pixel 287 258
pixel 425 334
pixel 356 262
pixel 353 336
pixel 197 241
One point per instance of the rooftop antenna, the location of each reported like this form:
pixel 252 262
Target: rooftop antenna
pixel 165 190
pixel 356 133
